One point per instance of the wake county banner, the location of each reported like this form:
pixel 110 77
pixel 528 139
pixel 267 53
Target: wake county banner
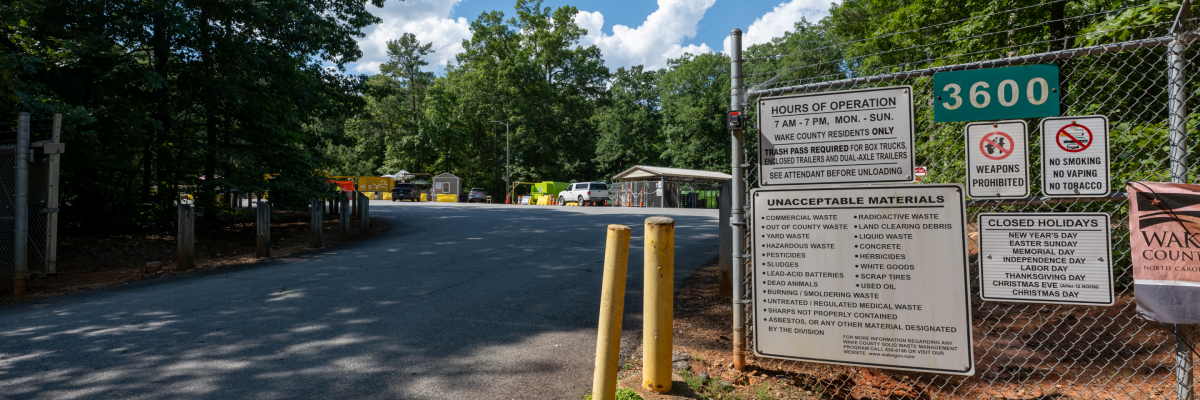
pixel 1164 233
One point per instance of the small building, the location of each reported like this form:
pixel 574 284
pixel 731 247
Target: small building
pixel 650 186
pixel 447 183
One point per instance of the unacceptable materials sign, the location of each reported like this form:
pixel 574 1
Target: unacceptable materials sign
pixel 1075 156
pixel 1164 224
pixel 997 160
pixel 852 136
pixel 1058 258
pixel 873 277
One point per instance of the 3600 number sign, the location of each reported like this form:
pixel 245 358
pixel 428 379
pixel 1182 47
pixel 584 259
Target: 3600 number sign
pixel 998 93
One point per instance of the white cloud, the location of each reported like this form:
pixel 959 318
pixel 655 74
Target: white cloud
pixel 782 19
pixel 659 38
pixel 429 20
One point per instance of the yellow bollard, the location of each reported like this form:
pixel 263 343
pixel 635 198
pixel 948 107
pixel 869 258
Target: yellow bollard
pixel 612 304
pixel 658 304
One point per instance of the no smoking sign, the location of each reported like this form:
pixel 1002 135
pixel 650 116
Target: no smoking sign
pixel 1075 156
pixel 997 160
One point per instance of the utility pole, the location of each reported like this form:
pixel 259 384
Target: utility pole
pixel 507 161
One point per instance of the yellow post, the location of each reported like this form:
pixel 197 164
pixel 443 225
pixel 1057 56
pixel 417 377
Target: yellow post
pixel 658 304
pixel 612 304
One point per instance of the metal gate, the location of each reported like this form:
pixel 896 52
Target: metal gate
pixel 43 148
pixel 1145 87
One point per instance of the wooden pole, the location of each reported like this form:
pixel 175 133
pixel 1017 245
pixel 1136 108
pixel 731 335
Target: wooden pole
pixel 185 253
pixel 344 216
pixel 364 210
pixel 263 249
pixel 318 223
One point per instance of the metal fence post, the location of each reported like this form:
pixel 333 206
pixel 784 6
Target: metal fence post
pixel 185 257
pixel 21 207
pixel 263 248
pixel 1185 381
pixel 1177 97
pixel 317 222
pixel 52 200
pixel 737 196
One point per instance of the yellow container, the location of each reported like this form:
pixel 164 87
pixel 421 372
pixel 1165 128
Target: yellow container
pixel 387 195
pixel 447 198
pixel 423 198
pixel 543 201
pixel 374 184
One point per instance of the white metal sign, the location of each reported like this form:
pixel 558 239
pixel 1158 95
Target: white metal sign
pixel 867 276
pixel 1063 258
pixel 850 136
pixel 997 160
pixel 1075 156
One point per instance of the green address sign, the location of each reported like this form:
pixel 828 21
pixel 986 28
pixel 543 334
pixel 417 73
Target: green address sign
pixel 1029 91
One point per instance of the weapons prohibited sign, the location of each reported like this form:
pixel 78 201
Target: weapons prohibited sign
pixel 1075 159
pixel 996 145
pixel 997 160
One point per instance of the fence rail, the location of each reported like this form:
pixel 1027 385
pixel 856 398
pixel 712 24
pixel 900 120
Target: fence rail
pixel 1144 85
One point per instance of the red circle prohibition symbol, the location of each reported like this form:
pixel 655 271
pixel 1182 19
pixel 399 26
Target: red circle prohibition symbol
pixel 1074 142
pixel 990 144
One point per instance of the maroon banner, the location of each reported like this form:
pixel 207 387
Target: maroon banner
pixel 1164 233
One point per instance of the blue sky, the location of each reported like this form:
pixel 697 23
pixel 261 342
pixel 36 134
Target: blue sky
pixel 628 32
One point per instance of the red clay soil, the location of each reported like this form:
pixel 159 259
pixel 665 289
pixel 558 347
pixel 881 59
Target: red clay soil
pixel 87 262
pixel 1072 353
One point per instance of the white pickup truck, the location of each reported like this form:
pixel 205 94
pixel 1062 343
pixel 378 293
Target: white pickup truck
pixel 584 193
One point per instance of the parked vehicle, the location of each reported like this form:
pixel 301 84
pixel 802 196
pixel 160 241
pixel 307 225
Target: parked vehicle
pixel 585 193
pixel 477 195
pixel 405 191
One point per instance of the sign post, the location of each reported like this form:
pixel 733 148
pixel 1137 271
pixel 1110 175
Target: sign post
pixel 997 160
pixel 1075 159
pixel 872 277
pixel 849 136
pixel 1062 258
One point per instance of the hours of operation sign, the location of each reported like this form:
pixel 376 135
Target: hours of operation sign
pixel 1059 258
pixel 1075 156
pixel 873 277
pixel 851 136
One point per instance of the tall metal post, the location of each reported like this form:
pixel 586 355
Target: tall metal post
pixel 52 199
pixel 1185 381
pixel 737 191
pixel 21 207
pixel 1177 103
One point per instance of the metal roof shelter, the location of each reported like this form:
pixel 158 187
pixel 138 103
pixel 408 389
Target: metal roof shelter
pixel 648 172
pixel 650 186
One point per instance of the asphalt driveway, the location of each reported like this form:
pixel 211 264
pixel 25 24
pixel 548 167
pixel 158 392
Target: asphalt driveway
pixel 456 301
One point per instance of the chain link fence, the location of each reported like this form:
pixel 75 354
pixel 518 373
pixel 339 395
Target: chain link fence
pixel 39 249
pixel 1022 350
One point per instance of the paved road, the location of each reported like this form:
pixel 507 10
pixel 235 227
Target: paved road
pixel 455 301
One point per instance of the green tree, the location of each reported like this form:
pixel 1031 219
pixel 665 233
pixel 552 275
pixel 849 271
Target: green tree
pixel 629 125
pixel 529 71
pixel 166 97
pixel 695 96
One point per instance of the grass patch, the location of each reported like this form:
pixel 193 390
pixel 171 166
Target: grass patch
pixel 622 394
